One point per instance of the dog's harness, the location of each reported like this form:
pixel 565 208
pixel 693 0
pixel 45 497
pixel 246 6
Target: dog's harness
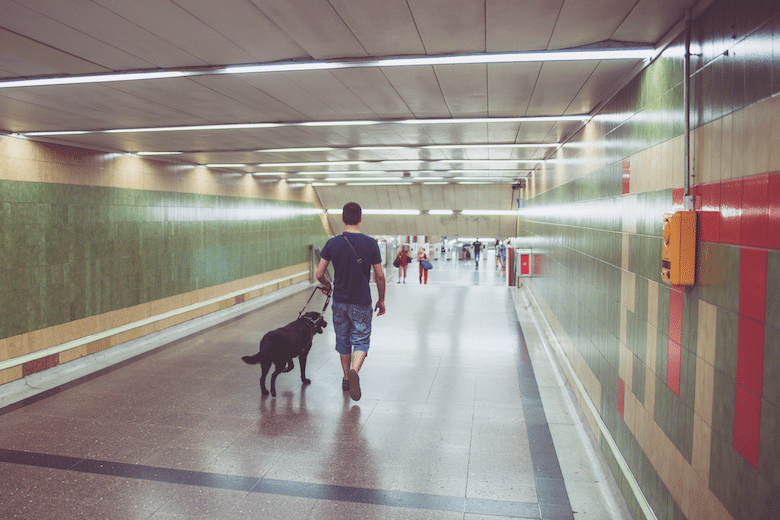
pixel 327 301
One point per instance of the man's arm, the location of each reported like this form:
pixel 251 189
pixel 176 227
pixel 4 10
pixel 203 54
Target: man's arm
pixel 321 270
pixel 379 277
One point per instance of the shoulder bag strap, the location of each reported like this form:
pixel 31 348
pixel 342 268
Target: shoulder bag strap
pixel 359 260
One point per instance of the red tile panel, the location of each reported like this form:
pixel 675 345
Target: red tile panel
pixel 675 314
pixel 750 355
pixel 747 424
pixel 677 196
pixel 731 212
pixel 708 207
pixel 41 364
pixel 673 366
pixel 626 176
pixel 674 346
pixel 621 396
pixel 755 210
pixel 773 238
pixel 752 283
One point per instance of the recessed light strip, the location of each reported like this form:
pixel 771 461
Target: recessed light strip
pixel 471 212
pixel 255 126
pixel 639 53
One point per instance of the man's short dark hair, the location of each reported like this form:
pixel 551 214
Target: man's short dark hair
pixel 351 213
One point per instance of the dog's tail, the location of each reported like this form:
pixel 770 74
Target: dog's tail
pixel 252 360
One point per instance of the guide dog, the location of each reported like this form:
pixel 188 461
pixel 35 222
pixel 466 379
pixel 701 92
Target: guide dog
pixel 279 347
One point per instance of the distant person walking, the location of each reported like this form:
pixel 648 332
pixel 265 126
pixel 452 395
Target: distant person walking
pixel 423 271
pixel 477 250
pixel 404 260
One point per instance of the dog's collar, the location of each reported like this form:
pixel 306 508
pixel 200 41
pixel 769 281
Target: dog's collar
pixel 312 323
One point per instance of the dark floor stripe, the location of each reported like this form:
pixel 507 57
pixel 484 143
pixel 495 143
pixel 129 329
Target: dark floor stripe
pixel 377 497
pixel 550 487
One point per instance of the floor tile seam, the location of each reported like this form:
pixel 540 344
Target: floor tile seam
pixel 391 498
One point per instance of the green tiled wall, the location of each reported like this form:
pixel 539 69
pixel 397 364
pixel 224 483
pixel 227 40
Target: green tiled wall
pixel 69 251
pixel 578 226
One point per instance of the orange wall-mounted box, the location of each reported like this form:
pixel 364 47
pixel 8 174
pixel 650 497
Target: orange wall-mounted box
pixel 678 256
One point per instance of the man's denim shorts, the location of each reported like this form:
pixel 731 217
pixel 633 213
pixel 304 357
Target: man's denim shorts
pixel 352 325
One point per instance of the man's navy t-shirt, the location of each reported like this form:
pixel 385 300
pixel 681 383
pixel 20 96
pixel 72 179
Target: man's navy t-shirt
pixel 351 283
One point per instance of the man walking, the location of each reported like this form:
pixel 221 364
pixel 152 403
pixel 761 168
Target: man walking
pixel 477 250
pixel 353 255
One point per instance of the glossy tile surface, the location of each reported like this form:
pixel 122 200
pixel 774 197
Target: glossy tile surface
pixel 451 423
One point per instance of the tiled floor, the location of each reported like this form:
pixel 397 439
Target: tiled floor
pixel 451 425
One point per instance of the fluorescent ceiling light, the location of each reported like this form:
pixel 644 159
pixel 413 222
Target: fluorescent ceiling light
pixel 227 165
pixel 487 145
pixel 441 212
pixel 639 53
pixel 317 163
pixel 520 119
pixel 379 148
pixel 321 184
pixel 391 212
pixel 367 179
pixel 488 212
pixel 379 184
pixel 293 150
pixel 95 78
pixel 268 174
pixel 407 148
pixel 256 126
pixel 434 183
pixel 348 172
pixel 158 153
pixel 490 161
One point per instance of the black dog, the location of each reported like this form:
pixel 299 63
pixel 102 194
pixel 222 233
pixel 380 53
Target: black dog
pixel 280 346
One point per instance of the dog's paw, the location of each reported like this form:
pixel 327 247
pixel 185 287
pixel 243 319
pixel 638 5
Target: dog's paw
pixel 306 381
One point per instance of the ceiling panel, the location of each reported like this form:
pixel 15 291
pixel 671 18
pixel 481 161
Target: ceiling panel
pixel 314 25
pixel 247 27
pixel 419 89
pixel 83 28
pixel 581 22
pixel 510 87
pixel 520 25
pixel 464 88
pixel 22 56
pixel 450 26
pixel 369 22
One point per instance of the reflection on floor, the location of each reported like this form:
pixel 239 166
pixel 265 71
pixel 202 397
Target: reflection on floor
pixel 453 424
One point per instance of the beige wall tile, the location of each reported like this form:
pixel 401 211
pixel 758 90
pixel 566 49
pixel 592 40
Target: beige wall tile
pixel 726 158
pixel 629 220
pixel 702 154
pixel 705 381
pixel 626 368
pixel 652 303
pixel 702 442
pixel 678 162
pixel 774 133
pixel 716 150
pixel 625 253
pixel 628 290
pixel 650 380
pixel 760 115
pixel 707 327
